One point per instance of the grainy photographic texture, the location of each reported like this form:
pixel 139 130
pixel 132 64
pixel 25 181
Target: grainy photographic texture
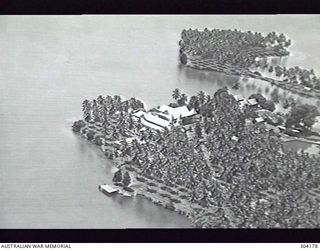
pixel 159 121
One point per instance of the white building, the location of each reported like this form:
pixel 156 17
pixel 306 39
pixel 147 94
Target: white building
pixel 252 102
pixel 149 120
pixel 177 112
pixel 138 114
pixel 259 120
pixel 156 120
pixel 162 117
pixel 307 88
pixel 243 103
pixel 282 128
pixel 238 98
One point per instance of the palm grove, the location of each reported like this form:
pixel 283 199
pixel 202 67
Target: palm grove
pixel 238 172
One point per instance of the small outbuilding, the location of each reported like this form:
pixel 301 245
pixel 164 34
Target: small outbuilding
pixel 239 98
pixel 252 102
pixel 258 120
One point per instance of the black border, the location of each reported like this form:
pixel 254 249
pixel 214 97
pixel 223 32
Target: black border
pixel 159 6
pixel 160 235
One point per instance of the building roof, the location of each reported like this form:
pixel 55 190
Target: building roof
pixel 267 114
pixel 295 131
pixel 157 120
pixel 259 119
pixel 252 101
pixel 238 98
pixel 235 138
pixel 151 125
pixel 281 127
pixel 182 111
pixel 242 103
pixel 108 188
pixel 154 122
pixel 164 116
pixel 139 113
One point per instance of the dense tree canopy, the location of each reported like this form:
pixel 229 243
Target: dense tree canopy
pixel 263 102
pixel 236 173
pixel 302 116
pixel 231 46
pixel 117 178
pixel 126 179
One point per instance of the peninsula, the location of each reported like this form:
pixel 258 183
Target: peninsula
pixel 247 54
pixel 218 159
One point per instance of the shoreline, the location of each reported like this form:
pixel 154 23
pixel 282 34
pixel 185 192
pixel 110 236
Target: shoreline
pixel 174 198
pixel 122 139
pixel 211 65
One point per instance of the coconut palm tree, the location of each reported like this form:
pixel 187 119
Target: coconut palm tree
pixel 183 99
pixel 275 95
pixel 100 100
pixel 117 101
pixel 117 176
pixel 201 97
pixel 193 103
pixel 86 108
pixel 176 94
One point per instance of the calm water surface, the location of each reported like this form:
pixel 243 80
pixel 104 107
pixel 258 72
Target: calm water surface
pixel 49 177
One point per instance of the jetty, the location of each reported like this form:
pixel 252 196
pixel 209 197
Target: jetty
pixel 112 190
pixel 108 190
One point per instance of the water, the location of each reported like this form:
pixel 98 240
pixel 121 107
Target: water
pixel 49 177
pixel 299 146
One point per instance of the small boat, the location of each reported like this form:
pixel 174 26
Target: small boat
pixel 108 190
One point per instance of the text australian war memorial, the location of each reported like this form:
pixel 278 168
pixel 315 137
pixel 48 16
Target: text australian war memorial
pixel 222 159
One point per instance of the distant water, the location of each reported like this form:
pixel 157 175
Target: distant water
pixel 302 146
pixel 49 177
